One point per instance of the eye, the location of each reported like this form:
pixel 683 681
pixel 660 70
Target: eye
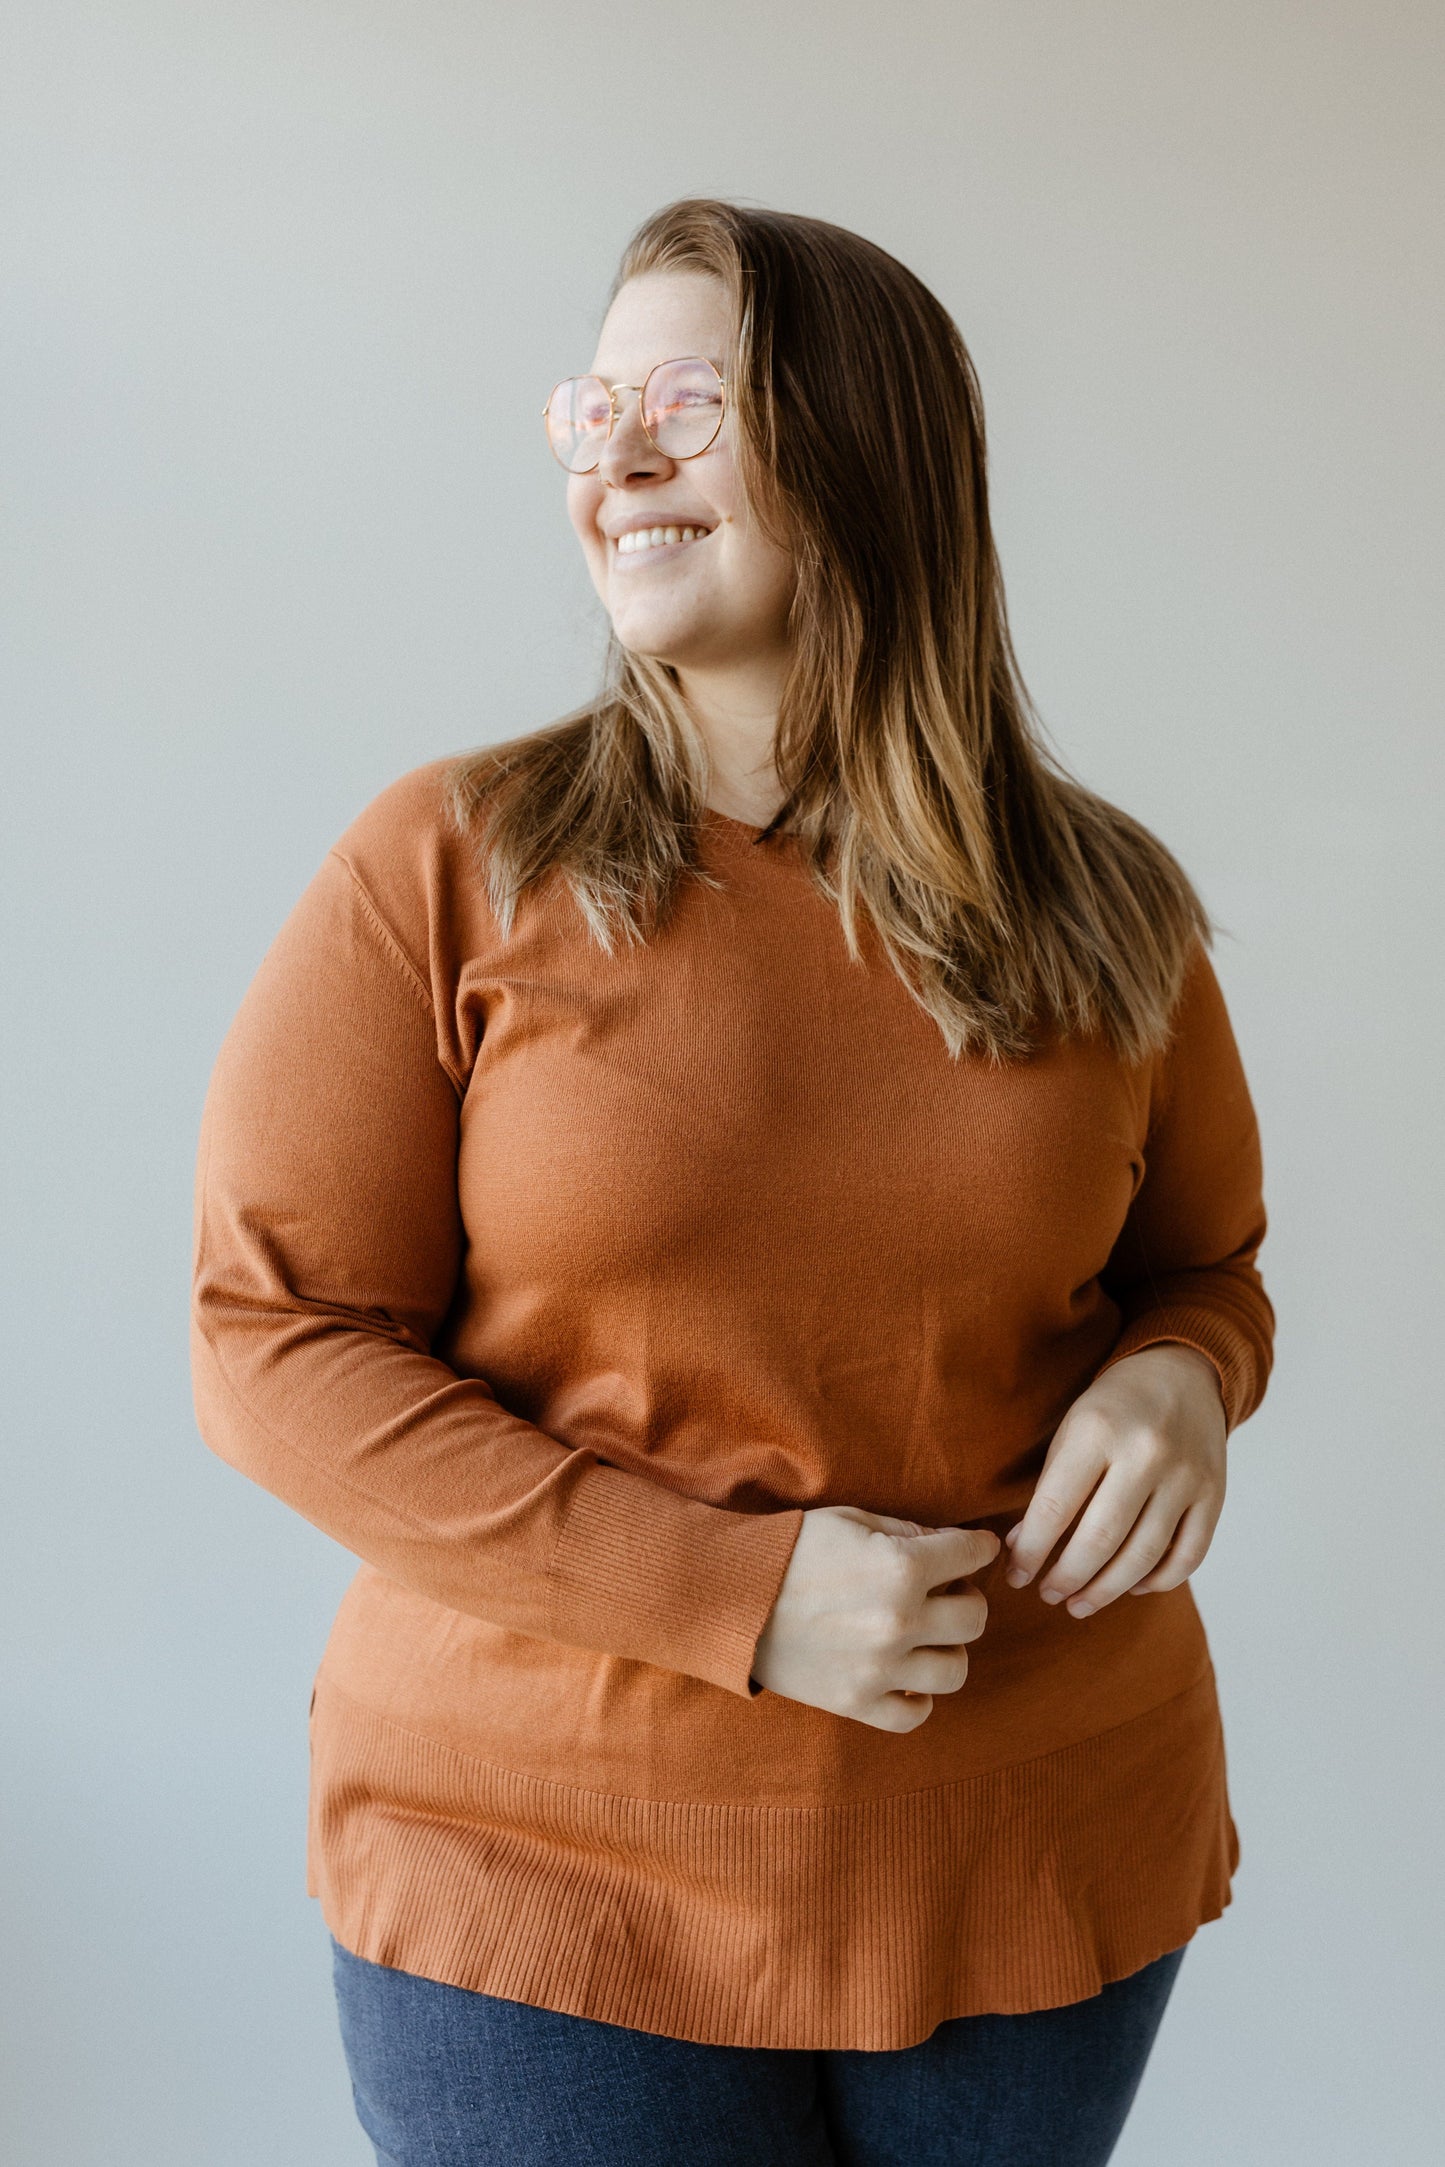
pixel 683 407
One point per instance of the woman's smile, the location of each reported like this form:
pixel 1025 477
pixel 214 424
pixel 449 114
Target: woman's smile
pixel 652 544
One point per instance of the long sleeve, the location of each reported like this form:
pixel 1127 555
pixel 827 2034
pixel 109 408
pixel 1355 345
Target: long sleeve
pixel 1184 1266
pixel 328 1243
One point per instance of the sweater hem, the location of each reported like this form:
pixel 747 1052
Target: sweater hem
pixel 857 1925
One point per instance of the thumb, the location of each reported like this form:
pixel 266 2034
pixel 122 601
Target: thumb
pixel 952 1553
pixel 882 1523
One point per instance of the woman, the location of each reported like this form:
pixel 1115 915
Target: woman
pixel 680 1188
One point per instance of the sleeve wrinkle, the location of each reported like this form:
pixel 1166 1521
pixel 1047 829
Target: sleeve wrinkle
pixel 287 1446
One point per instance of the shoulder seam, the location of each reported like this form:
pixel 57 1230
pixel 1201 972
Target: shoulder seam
pixel 1162 1067
pixel 392 947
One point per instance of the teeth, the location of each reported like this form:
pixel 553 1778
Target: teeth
pixel 628 545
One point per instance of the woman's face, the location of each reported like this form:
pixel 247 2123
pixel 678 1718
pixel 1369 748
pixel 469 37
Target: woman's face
pixel 710 603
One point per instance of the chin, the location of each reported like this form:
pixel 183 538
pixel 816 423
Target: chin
pixel 659 642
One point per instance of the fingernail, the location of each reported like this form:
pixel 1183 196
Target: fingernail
pixel 1052 1595
pixel 1081 1610
pixel 1017 1577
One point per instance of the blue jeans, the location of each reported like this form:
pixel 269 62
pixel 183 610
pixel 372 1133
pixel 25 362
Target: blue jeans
pixel 445 2077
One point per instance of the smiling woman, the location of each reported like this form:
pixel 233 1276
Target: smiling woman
pixel 700 610
pixel 832 657
pixel 687 1186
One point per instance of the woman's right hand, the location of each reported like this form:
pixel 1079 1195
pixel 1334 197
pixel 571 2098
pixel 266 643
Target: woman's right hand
pixel 866 1623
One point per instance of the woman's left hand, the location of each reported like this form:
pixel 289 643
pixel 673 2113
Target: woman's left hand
pixel 1142 1452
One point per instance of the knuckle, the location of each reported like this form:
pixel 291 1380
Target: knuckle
pixel 1100 1540
pixel 873 1668
pixel 1092 1427
pixel 1153 1451
pixel 856 1701
pixel 896 1572
pixel 886 1628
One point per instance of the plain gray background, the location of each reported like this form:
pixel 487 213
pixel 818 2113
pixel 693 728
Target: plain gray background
pixel 285 286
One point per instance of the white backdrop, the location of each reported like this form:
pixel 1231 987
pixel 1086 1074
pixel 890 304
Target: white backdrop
pixel 285 286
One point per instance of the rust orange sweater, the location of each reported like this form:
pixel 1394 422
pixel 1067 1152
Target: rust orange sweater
pixel 555 1286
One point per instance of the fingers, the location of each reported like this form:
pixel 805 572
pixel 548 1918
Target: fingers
pixel 1107 1523
pixel 1063 1486
pixel 1187 1551
pixel 1167 1541
pixel 938 1660
pixel 1141 1550
pixel 932 1670
pixel 899 1711
pixel 948 1620
pixel 929 1671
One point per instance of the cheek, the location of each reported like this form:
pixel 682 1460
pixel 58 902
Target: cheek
pixel 583 505
pixel 761 570
pixel 768 575
pixel 583 502
pixel 716 477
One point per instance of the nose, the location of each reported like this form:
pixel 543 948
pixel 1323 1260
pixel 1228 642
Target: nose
pixel 629 453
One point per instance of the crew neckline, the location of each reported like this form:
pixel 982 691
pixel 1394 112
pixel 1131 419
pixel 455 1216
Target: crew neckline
pixel 744 827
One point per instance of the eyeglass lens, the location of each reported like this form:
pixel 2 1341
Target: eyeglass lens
pixel 682 411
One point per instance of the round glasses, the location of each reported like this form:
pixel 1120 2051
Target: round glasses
pixel 680 407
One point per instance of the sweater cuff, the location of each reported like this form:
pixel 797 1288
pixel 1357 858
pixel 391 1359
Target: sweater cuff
pixel 1209 1334
pixel 643 1572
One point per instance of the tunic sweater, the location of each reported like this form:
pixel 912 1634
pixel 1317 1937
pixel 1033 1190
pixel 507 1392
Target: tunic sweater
pixel 556 1285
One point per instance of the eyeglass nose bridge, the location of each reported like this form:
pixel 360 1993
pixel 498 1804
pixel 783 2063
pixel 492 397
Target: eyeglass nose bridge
pixel 616 415
pixel 612 391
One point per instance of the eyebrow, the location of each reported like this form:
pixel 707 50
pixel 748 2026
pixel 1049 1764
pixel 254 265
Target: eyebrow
pixel 612 382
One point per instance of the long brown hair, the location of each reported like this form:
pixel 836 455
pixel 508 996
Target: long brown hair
pixel 916 776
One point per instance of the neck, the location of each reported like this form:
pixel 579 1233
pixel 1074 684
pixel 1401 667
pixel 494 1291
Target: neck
pixel 736 710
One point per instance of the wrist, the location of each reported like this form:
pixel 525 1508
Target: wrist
pixel 1181 1351
pixel 1190 1373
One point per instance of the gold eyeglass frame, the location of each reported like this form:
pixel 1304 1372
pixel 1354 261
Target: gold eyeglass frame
pixel 612 419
